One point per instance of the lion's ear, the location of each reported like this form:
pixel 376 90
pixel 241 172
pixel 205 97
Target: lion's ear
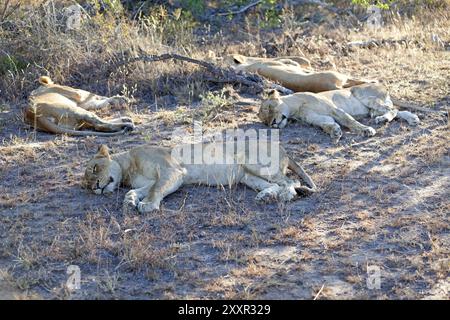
pixel 45 80
pixel 103 152
pixel 273 94
pixel 238 59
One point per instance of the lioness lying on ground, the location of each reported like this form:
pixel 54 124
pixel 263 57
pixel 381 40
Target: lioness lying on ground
pixel 59 109
pixel 330 109
pixel 292 74
pixel 154 172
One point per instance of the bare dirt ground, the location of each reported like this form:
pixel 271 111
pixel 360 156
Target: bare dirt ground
pixel 383 201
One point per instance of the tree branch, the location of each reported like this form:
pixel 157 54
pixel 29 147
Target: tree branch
pixel 243 9
pixel 219 74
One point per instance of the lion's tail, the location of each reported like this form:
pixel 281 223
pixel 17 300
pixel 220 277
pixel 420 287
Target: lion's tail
pixel 351 82
pixel 298 169
pixel 44 80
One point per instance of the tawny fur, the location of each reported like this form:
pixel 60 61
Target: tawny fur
pixel 329 110
pixel 293 75
pixel 60 109
pixel 154 172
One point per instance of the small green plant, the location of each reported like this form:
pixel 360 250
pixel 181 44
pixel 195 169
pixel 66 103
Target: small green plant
pixel 110 6
pixel 11 64
pixel 212 103
pixel 148 137
pixel 194 6
pixel 271 14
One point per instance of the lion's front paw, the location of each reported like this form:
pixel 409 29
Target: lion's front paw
pixel 380 120
pixel 126 119
pixel 336 134
pixel 413 120
pixel 144 207
pixel 127 126
pixel 130 201
pixel 368 131
pixel 287 194
pixel 305 191
pixel 268 195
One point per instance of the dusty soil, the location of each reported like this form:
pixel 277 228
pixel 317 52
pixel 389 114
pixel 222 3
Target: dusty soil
pixel 383 201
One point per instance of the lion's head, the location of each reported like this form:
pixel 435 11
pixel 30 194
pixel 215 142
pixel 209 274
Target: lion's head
pixel 102 174
pixel 236 61
pixel 273 112
pixel 374 96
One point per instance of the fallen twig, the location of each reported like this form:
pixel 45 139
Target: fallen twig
pixel 316 2
pixel 243 9
pixel 219 74
pixel 294 3
pixel 375 43
pixel 166 56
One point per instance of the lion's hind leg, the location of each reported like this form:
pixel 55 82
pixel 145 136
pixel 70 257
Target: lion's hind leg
pixel 382 111
pixel 47 125
pixel 267 192
pixel 65 91
pixel 98 102
pixel 99 124
pixel 121 120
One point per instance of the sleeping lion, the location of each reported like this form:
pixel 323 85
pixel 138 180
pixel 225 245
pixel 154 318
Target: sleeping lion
pixel 329 110
pixel 60 109
pixel 152 173
pixel 290 72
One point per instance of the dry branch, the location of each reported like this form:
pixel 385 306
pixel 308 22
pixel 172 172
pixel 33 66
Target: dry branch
pixel 375 43
pixel 219 75
pixel 243 9
pixel 316 2
pixel 294 3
